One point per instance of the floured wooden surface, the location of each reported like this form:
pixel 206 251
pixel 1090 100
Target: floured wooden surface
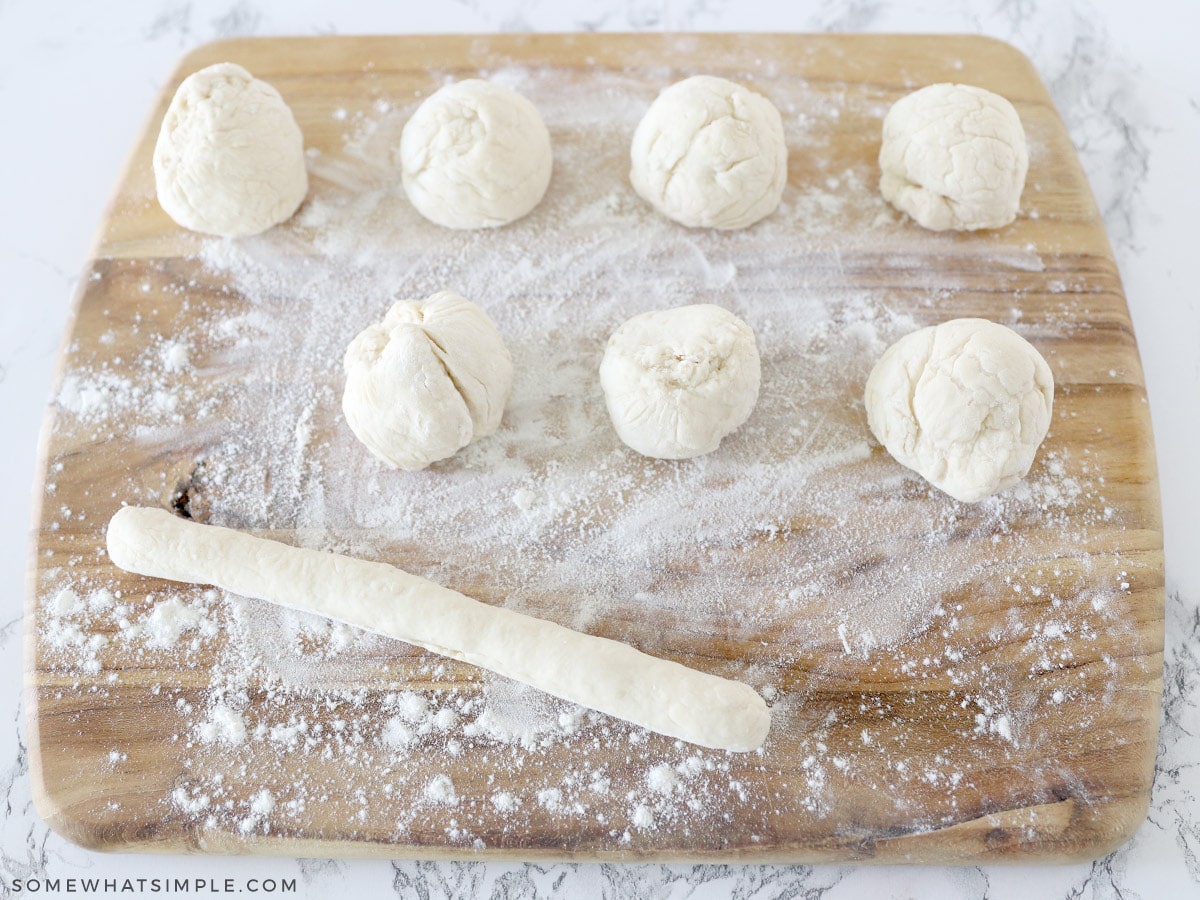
pixel 947 682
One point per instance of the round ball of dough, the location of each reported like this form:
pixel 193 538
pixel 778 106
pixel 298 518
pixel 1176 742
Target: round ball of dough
pixel 965 404
pixel 229 158
pixel 954 157
pixel 677 381
pixel 710 153
pixel 433 376
pixel 475 155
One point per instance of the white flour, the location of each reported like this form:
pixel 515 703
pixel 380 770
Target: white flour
pixel 797 545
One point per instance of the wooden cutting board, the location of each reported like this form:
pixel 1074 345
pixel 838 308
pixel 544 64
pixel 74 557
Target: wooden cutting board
pixel 949 684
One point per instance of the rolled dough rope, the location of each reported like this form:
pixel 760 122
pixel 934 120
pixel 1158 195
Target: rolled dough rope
pixel 596 672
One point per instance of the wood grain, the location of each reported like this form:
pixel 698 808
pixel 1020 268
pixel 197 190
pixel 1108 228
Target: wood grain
pixel 1076 785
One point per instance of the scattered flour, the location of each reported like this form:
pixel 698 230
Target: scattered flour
pixel 504 802
pixel 643 817
pixel 224 725
pixel 662 779
pixel 440 789
pixel 168 621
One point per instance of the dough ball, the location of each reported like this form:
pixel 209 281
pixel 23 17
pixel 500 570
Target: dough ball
pixel 954 157
pixel 965 404
pixel 425 382
pixel 229 158
pixel 678 381
pixel 475 155
pixel 710 153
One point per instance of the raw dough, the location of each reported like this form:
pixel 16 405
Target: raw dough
pixel 965 403
pixel 595 672
pixel 710 153
pixel 433 376
pixel 229 158
pixel 475 155
pixel 954 156
pixel 678 381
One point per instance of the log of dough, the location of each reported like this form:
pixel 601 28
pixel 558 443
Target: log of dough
pixel 595 672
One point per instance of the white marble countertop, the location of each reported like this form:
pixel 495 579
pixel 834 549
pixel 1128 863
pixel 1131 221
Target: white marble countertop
pixel 75 85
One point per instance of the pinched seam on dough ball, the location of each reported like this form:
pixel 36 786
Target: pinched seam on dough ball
pixel 394 424
pixel 666 369
pixel 663 375
pixel 440 354
pixel 459 381
pixel 363 360
pixel 673 394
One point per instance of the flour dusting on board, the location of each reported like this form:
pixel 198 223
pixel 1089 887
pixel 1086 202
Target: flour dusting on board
pixel 805 559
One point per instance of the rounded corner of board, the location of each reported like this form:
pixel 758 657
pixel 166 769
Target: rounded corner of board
pixel 1133 815
pixel 1002 50
pixel 59 819
pixel 1123 821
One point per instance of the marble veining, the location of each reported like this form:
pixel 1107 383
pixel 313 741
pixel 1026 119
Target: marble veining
pixel 1097 99
pixel 1115 85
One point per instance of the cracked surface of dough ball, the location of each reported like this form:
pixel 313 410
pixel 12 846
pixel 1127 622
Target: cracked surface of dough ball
pixel 954 157
pixel 229 159
pixel 678 381
pixel 475 155
pixel 433 376
pixel 966 404
pixel 710 153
